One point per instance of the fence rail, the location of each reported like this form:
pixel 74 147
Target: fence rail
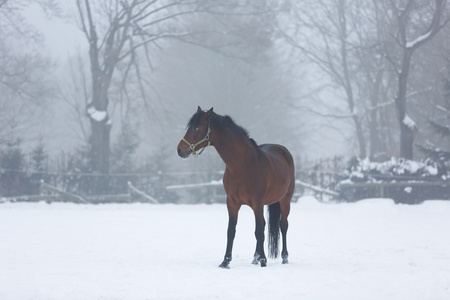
pixel 213 192
pixel 59 195
pixel 64 195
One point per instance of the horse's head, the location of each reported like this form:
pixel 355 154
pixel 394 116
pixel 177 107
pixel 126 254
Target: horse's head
pixel 197 135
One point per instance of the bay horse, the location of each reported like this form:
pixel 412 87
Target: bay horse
pixel 254 176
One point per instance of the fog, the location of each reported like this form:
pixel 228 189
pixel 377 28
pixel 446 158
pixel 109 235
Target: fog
pixel 184 77
pixel 322 77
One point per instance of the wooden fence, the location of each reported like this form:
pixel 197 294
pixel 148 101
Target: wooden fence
pixel 133 195
pixel 410 192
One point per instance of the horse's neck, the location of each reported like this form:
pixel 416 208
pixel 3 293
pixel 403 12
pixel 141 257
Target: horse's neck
pixel 234 149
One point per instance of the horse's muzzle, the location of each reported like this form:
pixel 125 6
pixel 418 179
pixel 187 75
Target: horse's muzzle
pixel 183 153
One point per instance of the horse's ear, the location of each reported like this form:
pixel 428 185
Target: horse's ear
pixel 209 112
pixel 199 109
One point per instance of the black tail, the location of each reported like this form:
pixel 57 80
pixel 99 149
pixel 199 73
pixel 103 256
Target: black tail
pixel 274 228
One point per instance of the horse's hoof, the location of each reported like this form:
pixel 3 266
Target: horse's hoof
pixel 225 265
pixel 285 261
pixel 263 263
pixel 256 259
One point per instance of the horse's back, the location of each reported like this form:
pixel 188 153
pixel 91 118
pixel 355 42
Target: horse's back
pixel 275 151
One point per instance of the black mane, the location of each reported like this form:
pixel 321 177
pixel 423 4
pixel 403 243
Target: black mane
pixel 195 119
pixel 220 123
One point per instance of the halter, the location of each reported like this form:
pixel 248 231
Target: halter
pixel 192 146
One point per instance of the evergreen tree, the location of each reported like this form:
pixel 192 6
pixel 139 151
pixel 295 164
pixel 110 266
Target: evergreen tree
pixel 79 176
pixel 13 179
pixel 38 167
pixel 123 157
pixel 157 178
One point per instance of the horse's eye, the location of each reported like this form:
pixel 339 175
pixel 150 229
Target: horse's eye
pixel 196 129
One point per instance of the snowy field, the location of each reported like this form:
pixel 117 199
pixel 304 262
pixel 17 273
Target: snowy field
pixel 373 249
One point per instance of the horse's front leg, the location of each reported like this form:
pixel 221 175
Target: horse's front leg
pixel 233 210
pixel 260 225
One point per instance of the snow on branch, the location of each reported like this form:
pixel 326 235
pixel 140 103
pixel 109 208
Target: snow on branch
pixel 441 108
pixel 435 26
pixel 419 40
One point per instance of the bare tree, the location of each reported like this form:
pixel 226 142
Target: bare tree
pixel 415 23
pixel 24 84
pixel 331 33
pixel 120 35
pixel 356 44
pixel 374 78
pixel 115 30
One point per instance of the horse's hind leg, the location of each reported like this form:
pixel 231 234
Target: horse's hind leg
pixel 260 225
pixel 285 206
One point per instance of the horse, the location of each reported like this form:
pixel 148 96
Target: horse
pixel 255 176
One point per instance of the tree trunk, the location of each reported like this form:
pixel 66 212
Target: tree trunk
pixel 100 152
pixel 407 128
pixel 361 138
pixel 100 133
pixel 407 136
pixel 375 141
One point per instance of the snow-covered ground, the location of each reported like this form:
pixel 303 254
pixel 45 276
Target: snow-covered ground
pixel 373 249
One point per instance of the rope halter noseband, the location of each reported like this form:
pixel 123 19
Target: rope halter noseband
pixel 192 146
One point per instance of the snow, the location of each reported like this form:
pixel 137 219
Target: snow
pixel 432 170
pixel 96 115
pixel 409 122
pixel 419 39
pixel 195 185
pixel 394 166
pixel 372 249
